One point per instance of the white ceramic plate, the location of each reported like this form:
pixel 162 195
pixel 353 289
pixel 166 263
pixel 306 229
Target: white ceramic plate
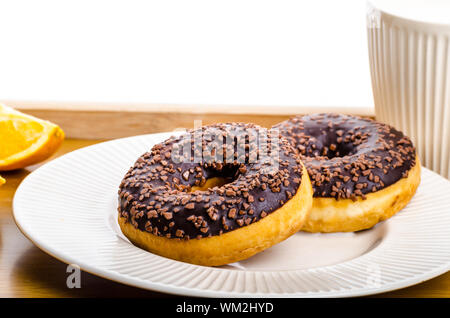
pixel 68 208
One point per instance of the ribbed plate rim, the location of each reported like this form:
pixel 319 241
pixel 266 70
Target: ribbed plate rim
pixel 26 226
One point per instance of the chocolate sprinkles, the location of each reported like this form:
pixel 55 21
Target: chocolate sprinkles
pixel 157 195
pixel 347 156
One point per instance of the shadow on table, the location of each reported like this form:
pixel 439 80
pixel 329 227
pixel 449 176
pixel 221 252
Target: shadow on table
pixel 46 276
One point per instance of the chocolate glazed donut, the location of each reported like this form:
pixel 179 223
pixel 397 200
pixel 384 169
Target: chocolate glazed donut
pixel 362 171
pixel 215 195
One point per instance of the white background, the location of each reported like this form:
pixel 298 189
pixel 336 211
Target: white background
pixel 253 52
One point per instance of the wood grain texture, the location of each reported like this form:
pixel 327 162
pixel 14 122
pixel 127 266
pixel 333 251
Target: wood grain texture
pixel 111 124
pixel 26 271
pixel 107 121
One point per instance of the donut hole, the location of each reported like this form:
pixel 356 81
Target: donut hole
pixel 338 150
pixel 329 149
pixel 211 183
pixel 218 177
pixel 328 145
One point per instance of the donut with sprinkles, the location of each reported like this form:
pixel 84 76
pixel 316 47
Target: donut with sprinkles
pixel 215 195
pixel 362 171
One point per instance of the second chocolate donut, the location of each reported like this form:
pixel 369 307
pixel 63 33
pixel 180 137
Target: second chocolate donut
pixel 362 171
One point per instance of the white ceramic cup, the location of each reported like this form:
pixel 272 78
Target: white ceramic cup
pixel 409 53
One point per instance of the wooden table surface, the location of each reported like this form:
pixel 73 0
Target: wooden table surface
pixel 26 271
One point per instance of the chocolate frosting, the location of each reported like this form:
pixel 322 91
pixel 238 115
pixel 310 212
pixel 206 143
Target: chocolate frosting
pixel 156 193
pixel 348 156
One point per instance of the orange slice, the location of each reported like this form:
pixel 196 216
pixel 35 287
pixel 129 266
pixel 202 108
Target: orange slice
pixel 25 140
